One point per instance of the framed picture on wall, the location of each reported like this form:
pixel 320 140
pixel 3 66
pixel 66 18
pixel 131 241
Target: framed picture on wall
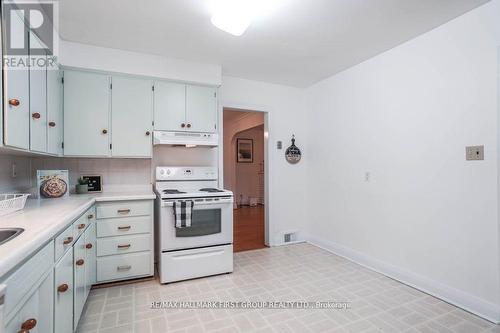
pixel 244 150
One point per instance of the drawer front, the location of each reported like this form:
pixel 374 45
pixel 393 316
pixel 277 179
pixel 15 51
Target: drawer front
pixel 25 277
pixel 63 294
pixel 124 266
pixel 84 221
pixel 124 226
pixel 64 241
pixel 189 264
pixel 123 244
pixel 124 209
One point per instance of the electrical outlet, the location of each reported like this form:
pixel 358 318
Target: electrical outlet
pixel 474 153
pixel 14 170
pixel 367 176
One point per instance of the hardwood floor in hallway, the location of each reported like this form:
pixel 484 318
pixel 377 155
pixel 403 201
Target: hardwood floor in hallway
pixel 248 225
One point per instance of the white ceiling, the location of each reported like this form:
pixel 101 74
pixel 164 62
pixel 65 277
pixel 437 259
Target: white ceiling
pixel 298 44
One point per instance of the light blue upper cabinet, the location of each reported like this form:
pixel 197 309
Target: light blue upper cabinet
pixel 86 114
pixel 131 117
pixel 169 106
pixel 54 112
pixel 38 97
pixel 16 98
pixel 201 109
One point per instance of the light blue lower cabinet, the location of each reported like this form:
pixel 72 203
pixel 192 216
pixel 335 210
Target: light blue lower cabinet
pixel 90 257
pixel 79 278
pixel 63 294
pixel 37 313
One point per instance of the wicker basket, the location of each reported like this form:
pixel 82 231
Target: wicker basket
pixel 12 202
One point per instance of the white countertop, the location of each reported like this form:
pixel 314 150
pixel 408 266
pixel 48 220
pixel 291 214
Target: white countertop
pixel 42 219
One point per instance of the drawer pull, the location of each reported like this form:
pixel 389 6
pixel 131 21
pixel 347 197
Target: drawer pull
pixel 29 324
pixel 124 246
pixel 123 211
pixel 125 227
pixel 124 268
pixel 63 288
pixel 81 226
pixel 14 102
pixel 90 217
pixel 52 124
pixel 68 240
pixel 88 246
pixel 80 262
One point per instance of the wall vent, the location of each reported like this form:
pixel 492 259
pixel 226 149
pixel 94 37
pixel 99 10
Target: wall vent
pixel 290 237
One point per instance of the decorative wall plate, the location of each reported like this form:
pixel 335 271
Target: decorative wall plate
pixel 292 153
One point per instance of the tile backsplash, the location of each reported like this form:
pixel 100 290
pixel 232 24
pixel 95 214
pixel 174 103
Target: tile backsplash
pixel 113 171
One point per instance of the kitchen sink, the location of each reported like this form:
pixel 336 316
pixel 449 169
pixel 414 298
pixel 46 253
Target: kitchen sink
pixel 6 234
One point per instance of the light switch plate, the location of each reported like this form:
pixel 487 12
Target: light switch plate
pixel 474 153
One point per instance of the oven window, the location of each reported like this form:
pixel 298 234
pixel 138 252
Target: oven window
pixel 203 222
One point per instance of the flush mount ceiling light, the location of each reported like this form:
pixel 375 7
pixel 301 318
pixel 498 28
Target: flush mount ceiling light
pixel 235 16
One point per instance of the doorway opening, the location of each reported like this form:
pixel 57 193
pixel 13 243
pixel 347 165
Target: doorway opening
pixel 245 174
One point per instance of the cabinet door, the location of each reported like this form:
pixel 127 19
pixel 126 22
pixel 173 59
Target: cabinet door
pixel 86 114
pixel 38 307
pixel 55 112
pixel 90 257
pixel 17 104
pixel 201 109
pixel 63 294
pixel 131 117
pixel 79 279
pixel 38 99
pixel 169 106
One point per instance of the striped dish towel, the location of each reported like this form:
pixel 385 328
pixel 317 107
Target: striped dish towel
pixel 183 211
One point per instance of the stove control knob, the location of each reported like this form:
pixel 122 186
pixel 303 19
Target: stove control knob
pixel 162 172
pixel 168 172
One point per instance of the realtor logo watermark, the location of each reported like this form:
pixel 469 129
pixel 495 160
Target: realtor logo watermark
pixel 30 35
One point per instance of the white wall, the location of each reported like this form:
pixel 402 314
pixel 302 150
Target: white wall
pixel 112 60
pixel 286 116
pixel 426 216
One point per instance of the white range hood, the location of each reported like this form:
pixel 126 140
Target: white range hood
pixel 188 139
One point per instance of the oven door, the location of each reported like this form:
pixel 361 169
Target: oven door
pixel 211 224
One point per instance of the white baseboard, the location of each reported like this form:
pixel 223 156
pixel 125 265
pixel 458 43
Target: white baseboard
pixel 466 301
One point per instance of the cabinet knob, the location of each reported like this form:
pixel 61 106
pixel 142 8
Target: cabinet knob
pixel 183 125
pixel 88 246
pixel 36 115
pixel 81 226
pixel 68 240
pixel 148 133
pixel 52 124
pixel 104 131
pixel 80 262
pixel 29 324
pixel 188 125
pixel 63 288
pixel 14 102
pixel 90 217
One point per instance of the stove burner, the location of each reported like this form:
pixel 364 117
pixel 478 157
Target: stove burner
pixel 173 192
pixel 211 190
